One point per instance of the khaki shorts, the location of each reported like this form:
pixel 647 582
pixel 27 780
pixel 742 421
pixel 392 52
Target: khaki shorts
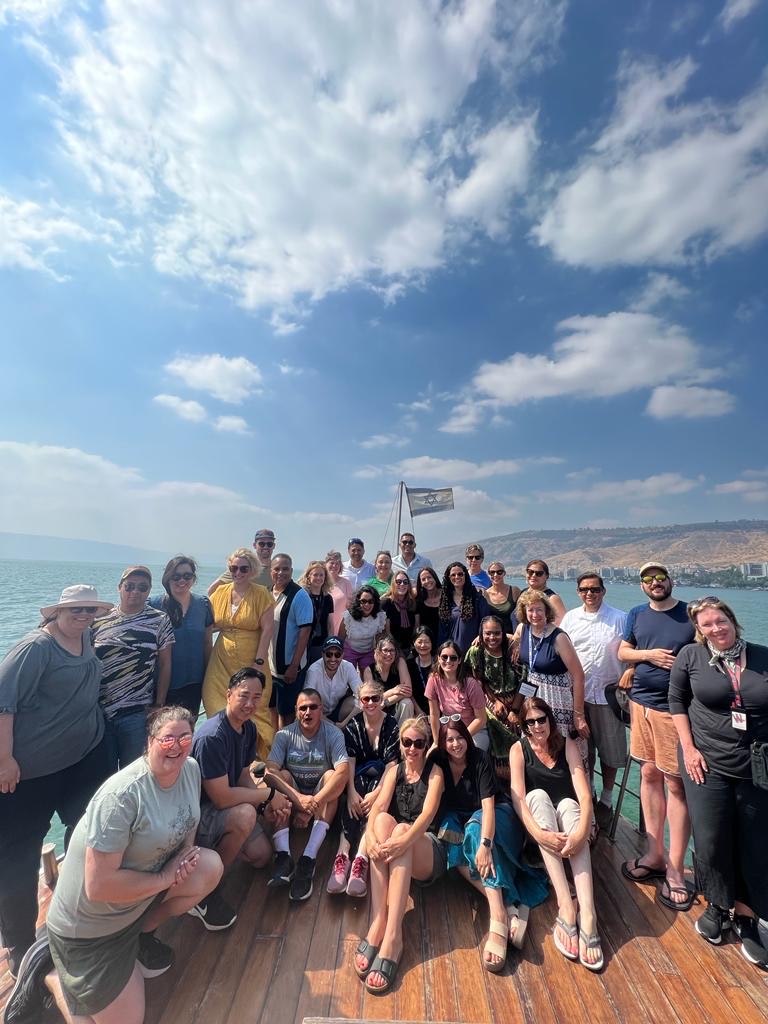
pixel 653 737
pixel 607 734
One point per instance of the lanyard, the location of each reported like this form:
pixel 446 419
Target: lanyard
pixel 734 674
pixel 533 655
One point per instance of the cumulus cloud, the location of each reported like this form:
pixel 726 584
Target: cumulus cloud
pixel 752 489
pixel 32 235
pixel 34 12
pixel 639 196
pixel 652 488
pixel 431 470
pixel 228 379
pixel 463 418
pixel 185 410
pixel 689 402
pixel 231 424
pixel 658 290
pixel 734 11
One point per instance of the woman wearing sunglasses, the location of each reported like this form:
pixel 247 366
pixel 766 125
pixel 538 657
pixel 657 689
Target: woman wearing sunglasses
pixel 372 743
pixel 391 673
pixel 502 597
pixel 399 605
pixel 485 842
pixel 244 618
pixel 551 795
pixel 453 693
pixel 537 575
pixel 192 620
pixel 361 626
pixel 132 864
pixel 400 846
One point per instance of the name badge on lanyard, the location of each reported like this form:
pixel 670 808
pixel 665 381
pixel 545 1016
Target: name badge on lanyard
pixel 739 720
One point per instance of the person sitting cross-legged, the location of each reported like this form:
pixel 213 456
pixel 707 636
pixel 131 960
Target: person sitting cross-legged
pixel 309 757
pixel 237 814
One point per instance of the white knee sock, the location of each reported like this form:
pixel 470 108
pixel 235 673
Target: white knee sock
pixel 281 842
pixel 316 837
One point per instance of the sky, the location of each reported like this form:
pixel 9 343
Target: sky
pixel 260 261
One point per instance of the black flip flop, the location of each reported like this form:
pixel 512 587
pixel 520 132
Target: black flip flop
pixel 388 970
pixel 649 874
pixel 364 948
pixel 669 903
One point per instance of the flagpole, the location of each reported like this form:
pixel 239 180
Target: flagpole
pixel 399 511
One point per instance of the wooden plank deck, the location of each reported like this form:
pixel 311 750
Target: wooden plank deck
pixel 283 963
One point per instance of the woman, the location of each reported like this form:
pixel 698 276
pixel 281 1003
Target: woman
pixel 390 672
pixel 131 866
pixel 552 798
pixel 399 605
pixel 461 607
pixel 451 692
pixel 485 842
pixel 192 620
pixel 502 597
pixel 382 578
pixel 244 617
pixel 428 591
pixel 341 589
pixel 361 626
pixel 537 574
pixel 52 751
pixel 553 664
pixel 372 743
pixel 420 664
pixel 400 847
pixel 317 583
pixel 493 663
pixel 718 697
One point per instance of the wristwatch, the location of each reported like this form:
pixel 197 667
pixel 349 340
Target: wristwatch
pixel 487 842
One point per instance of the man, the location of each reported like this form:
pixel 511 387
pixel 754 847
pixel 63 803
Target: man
pixel 596 630
pixel 334 679
pixel 237 815
pixel 653 635
pixel 133 642
pixel 357 570
pixel 474 556
pixel 288 649
pixel 408 560
pixel 311 758
pixel 264 545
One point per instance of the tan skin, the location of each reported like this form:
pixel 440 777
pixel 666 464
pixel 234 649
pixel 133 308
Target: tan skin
pixel 134 591
pixel 391 665
pixel 242 576
pixel 383 567
pixel 366 606
pixel 499 592
pixel 448 659
pixel 317 580
pixel 538 579
pixel 181 590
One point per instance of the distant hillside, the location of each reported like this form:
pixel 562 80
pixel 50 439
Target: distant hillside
pixel 65 549
pixel 705 545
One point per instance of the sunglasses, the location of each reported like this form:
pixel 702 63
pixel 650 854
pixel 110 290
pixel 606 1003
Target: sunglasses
pixel 307 707
pixel 446 719
pixel 449 657
pixel 168 742
pixel 497 572
pixel 235 569
pixel 408 543
pixel 534 572
pixel 265 543
pixel 474 558
pixel 354 540
pixel 535 721
pixel 702 602
pixel 456 576
pixel 336 655
pixel 403 583
pixel 660 577
pixel 179 576
pixel 375 699
pixel 79 609
pixel 366 600
pixel 143 588
pixel 407 743
pixel 590 590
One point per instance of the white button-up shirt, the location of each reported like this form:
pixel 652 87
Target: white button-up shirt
pixel 357 577
pixel 596 637
pixel 419 562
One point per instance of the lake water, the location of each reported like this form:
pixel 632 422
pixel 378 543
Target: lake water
pixel 25 586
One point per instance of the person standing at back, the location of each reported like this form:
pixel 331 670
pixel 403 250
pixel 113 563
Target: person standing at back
pixel 474 556
pixel 408 560
pixel 356 569
pixel 263 544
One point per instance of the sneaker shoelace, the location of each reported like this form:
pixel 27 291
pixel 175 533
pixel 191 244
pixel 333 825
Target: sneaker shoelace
pixel 358 867
pixel 340 864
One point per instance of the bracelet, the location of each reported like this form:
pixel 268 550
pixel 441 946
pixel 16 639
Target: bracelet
pixel 263 805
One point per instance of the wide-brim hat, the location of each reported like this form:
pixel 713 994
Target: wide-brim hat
pixel 78 595
pixel 618 702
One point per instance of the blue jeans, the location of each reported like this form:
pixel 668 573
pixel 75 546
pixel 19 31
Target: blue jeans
pixel 126 736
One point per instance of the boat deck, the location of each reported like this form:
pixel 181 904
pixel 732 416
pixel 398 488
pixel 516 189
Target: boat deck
pixel 282 963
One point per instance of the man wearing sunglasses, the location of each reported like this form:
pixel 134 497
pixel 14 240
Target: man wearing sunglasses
pixel 653 635
pixel 337 681
pixel 596 630
pixel 264 545
pixel 474 556
pixel 408 560
pixel 310 756
pixel 133 642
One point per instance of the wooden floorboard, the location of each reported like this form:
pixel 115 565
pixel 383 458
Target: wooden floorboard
pixel 283 963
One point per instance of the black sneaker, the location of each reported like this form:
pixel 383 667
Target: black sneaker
pixel 214 912
pixel 29 997
pixel 751 947
pixel 712 923
pixel 301 886
pixel 282 869
pixel 154 957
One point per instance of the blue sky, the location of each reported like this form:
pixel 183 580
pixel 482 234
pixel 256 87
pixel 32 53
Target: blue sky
pixel 258 262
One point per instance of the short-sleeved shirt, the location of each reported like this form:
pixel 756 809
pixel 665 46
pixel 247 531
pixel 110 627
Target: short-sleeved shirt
pixel 480 579
pixel 596 637
pixel 133 815
pixel 477 782
pixel 188 662
pixel 358 742
pixel 357 577
pixel 300 614
pixel 308 758
pixel 128 646
pixel 419 562
pixel 333 688
pixel 54 698
pixel 467 701
pixel 646 629
pixel 220 750
pixel 361 633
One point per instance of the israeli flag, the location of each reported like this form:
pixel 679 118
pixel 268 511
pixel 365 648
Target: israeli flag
pixel 423 500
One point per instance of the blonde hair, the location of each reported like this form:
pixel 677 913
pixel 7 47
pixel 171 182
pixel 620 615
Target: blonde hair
pixel 418 725
pixel 303 580
pixel 247 556
pixel 529 597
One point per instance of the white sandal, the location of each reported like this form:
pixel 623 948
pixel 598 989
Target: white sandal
pixel 517 916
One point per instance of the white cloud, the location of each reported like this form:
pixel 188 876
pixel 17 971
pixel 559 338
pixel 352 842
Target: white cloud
pixel 659 289
pixel 688 402
pixel 666 181
pixel 368 472
pixel 385 441
pixel 431 470
pixel 463 418
pixel 242 141
pixel 228 379
pixel 749 490
pixel 186 410
pixel 652 488
pixel 734 11
pixel 231 424
pixel 32 236
pixel 290 371
pixel 35 12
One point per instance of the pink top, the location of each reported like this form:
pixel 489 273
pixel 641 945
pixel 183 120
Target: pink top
pixel 468 701
pixel 341 595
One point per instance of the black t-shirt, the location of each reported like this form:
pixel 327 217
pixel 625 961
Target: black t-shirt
pixel 477 782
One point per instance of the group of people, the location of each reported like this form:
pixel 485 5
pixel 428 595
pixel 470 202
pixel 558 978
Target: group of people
pixel 443 720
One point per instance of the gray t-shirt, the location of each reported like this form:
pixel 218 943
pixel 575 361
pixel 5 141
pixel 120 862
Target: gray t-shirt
pixel 130 814
pixel 308 759
pixel 54 697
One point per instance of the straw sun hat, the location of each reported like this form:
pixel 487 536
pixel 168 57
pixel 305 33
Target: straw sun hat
pixel 78 595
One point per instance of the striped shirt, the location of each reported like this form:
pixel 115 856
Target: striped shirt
pixel 128 646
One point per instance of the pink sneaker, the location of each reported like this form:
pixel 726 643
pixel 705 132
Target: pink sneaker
pixel 338 880
pixel 358 877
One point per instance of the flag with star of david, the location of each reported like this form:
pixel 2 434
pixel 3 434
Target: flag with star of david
pixel 422 500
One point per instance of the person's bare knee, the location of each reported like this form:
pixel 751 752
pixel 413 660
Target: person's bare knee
pixel 258 851
pixel 241 820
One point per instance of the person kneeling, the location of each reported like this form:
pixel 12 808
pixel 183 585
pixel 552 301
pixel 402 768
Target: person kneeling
pixel 237 814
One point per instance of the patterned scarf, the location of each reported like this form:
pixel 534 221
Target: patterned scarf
pixel 730 657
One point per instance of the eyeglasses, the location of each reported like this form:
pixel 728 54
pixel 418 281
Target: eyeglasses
pixel 265 543
pixel 167 742
pixel 474 558
pixel 235 569
pixel 535 721
pixel 408 543
pixel 143 588
pixel 590 590
pixel 179 576
pixel 702 602
pixel 660 577
pixel 82 610
pixel 445 719
pixel 456 576
pixel 497 572
pixel 449 657
pixel 407 743
pixel 374 699
pixel 534 572
pixel 333 654
pixel 307 707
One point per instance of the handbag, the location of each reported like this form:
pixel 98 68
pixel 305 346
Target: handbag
pixel 759 759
